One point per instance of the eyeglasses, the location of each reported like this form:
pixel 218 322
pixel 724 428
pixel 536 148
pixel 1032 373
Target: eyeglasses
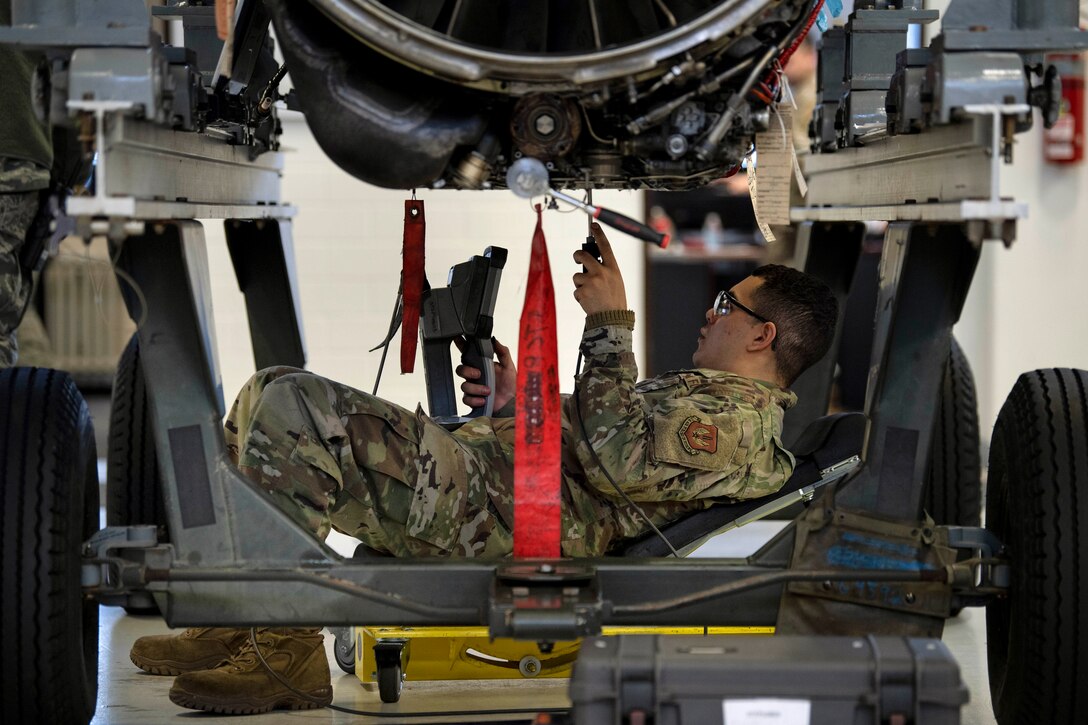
pixel 724 304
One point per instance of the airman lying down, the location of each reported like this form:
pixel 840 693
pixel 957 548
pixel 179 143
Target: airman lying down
pixel 335 457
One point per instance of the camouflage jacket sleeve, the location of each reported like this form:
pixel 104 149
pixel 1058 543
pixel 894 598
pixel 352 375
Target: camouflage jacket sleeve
pixel 691 443
pixel 610 409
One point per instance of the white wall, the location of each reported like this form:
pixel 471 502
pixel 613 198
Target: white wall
pixel 347 248
pixel 1026 308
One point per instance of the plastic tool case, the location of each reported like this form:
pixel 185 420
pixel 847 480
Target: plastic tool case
pixel 785 680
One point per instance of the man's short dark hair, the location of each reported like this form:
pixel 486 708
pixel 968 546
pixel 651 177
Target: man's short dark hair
pixel 804 311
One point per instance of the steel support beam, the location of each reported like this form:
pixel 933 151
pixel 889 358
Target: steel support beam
pixel 145 171
pixel 77 24
pixel 264 262
pixel 925 273
pixel 216 516
pixel 947 163
pixel 415 592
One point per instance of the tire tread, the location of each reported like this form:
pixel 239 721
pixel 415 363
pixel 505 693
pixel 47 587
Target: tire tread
pixel 1039 461
pixel 46 469
pixel 953 488
pixel 132 490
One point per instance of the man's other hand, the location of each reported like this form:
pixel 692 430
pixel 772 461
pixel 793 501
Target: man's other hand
pixel 600 287
pixel 506 379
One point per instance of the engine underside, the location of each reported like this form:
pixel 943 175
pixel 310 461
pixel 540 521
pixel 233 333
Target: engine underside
pixel 661 94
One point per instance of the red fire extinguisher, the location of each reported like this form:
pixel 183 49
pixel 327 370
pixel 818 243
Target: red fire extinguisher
pixel 1063 143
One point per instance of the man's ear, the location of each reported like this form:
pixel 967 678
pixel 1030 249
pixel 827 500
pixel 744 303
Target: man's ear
pixel 763 337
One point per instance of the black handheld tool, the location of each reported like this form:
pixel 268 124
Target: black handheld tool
pixel 590 244
pixel 464 308
pixel 528 177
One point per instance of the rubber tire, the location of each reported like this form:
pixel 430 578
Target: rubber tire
pixel 133 489
pixel 390 682
pixel 345 660
pixel 953 490
pixel 49 483
pixel 1037 504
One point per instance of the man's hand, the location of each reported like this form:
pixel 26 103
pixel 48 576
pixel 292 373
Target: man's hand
pixel 600 287
pixel 506 380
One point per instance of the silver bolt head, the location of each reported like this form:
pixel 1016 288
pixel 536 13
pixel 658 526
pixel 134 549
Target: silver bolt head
pixel 545 124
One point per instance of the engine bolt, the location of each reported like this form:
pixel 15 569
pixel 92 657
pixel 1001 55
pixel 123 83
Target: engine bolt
pixel 545 124
pixel 676 145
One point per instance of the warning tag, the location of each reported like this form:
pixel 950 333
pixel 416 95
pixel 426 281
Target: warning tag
pixel 769 177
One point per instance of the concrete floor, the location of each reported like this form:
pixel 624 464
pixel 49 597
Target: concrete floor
pixel 128 696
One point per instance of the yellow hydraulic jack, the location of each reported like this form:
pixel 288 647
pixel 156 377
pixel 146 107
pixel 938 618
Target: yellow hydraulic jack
pixel 390 655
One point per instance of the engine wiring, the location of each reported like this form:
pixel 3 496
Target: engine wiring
pixel 772 83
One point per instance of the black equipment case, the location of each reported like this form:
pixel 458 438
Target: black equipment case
pixel 784 680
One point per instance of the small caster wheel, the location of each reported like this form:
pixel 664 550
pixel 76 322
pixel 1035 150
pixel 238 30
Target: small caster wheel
pixel 344 651
pixel 390 681
pixel 389 662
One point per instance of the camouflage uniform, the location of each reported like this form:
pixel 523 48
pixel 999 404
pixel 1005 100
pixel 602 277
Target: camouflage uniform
pixel 26 154
pixel 337 457
pixel 19 185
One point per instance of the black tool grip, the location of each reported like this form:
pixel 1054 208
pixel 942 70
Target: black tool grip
pixel 632 227
pixel 590 246
pixel 479 353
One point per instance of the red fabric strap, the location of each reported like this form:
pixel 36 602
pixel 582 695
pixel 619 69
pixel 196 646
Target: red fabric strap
pixel 536 447
pixel 415 232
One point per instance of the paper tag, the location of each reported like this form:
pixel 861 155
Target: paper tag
pixel 802 185
pixel 753 191
pixel 767 711
pixel 779 136
pixel 774 169
pixel 785 122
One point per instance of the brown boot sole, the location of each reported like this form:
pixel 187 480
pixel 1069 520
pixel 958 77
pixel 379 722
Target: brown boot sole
pixel 236 706
pixel 173 667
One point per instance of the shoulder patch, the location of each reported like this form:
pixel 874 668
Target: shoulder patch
pixel 693 439
pixel 698 437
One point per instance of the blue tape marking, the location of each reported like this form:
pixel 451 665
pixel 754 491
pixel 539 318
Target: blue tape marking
pixel 874 543
pixel 872 591
pixel 847 558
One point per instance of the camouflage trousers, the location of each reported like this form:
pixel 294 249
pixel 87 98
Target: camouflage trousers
pixel 17 210
pixel 336 458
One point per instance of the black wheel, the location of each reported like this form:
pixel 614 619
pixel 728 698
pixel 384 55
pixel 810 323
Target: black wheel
pixel 953 489
pixel 49 484
pixel 133 491
pixel 344 652
pixel 1037 504
pixel 389 682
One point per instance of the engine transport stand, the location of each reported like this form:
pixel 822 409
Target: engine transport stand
pixel 234 559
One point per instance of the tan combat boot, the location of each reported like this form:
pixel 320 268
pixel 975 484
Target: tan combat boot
pixel 243 684
pixel 197 648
